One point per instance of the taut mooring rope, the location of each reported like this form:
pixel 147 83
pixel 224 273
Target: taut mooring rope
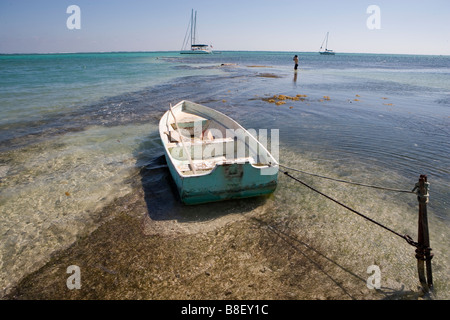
pixel 348 182
pixel 405 237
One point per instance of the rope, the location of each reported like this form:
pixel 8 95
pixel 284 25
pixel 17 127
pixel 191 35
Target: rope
pixel 405 237
pixel 185 37
pixel 349 182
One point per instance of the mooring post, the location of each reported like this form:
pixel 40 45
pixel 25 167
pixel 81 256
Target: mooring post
pixel 423 251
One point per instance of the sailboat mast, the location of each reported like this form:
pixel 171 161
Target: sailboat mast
pixel 192 19
pixel 326 44
pixel 195 26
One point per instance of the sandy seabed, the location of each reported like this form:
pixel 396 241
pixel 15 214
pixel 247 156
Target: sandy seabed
pixel 234 256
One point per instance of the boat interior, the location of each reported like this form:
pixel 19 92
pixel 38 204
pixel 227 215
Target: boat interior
pixel 198 143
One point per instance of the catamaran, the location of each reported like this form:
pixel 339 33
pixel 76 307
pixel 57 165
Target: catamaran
pixel 190 38
pixel 326 51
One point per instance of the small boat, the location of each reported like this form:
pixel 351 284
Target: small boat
pixel 212 158
pixel 326 51
pixel 195 48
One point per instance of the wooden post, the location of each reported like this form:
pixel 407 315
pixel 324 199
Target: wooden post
pixel 423 251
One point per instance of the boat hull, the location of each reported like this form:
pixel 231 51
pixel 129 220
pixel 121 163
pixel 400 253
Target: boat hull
pixel 227 181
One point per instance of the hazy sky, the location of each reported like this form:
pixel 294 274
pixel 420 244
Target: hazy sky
pixel 412 27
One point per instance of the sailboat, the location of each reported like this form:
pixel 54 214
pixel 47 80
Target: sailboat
pixel 326 51
pixel 190 38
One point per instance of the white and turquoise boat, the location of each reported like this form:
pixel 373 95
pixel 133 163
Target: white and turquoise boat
pixel 212 158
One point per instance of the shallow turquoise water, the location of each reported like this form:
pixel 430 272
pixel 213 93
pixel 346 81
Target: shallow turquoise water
pixel 76 128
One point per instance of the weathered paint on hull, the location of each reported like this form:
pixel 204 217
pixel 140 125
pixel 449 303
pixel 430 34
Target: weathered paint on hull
pixel 228 181
pixel 192 199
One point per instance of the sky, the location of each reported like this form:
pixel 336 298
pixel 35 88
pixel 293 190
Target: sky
pixel 402 27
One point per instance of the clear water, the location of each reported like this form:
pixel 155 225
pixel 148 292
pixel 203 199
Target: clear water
pixel 78 129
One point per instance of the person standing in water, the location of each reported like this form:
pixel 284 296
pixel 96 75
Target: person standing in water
pixel 296 62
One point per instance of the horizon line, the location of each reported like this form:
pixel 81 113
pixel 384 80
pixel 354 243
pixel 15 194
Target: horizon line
pixel 175 51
